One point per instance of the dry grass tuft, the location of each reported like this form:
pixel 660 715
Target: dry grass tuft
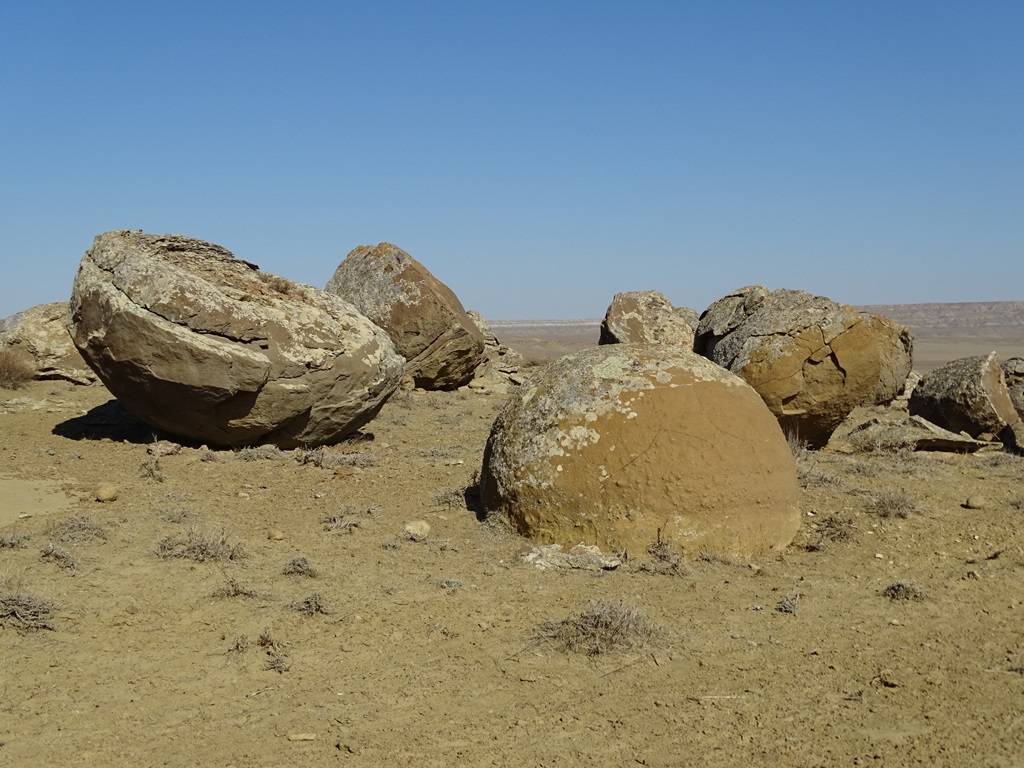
pixel 600 628
pixel 260 453
pixel 905 590
pixel 663 559
pixel 27 611
pixel 276 661
pixel 16 369
pixel 831 529
pixel 789 603
pixel 898 504
pixel 201 547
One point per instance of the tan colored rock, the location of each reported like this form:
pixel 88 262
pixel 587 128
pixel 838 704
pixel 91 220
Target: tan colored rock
pixel 205 346
pixel 647 317
pixel 872 429
pixel 106 492
pixel 812 360
pixel 424 318
pixel 617 445
pixel 501 362
pixel 41 334
pixel 967 395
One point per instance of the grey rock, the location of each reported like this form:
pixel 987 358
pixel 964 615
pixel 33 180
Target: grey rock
pixel 203 345
pixel 647 317
pixel 966 395
pixel 1013 371
pixel 424 318
pixel 871 429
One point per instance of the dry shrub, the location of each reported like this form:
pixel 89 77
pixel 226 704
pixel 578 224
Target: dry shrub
pixel 905 590
pixel 61 557
pixel 78 529
pixel 26 611
pixel 201 547
pixel 16 369
pixel 276 661
pixel 663 559
pixel 789 603
pixel 331 460
pixel 14 540
pixel 300 566
pixel 260 452
pixel 311 606
pixel 233 588
pixel 829 529
pixel 897 504
pixel 600 628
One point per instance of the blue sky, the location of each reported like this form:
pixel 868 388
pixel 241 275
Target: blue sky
pixel 537 157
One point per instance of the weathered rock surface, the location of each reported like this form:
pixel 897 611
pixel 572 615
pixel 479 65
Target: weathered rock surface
pixel 617 445
pixel 41 334
pixel 424 318
pixel 812 360
pixel 205 346
pixel 501 364
pixel 870 429
pixel 1013 371
pixel 647 317
pixel 967 395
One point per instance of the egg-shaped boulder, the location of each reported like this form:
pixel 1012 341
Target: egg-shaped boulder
pixel 205 346
pixel 625 445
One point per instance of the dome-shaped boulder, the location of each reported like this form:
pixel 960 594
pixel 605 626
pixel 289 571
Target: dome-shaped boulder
pixel 205 346
pixel 624 445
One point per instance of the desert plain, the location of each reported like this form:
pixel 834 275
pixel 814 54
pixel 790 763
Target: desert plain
pixel 262 607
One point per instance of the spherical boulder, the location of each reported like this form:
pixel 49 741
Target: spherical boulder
pixel 811 359
pixel 426 321
pixel 625 445
pixel 203 345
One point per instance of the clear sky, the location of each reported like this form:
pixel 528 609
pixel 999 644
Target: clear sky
pixel 537 157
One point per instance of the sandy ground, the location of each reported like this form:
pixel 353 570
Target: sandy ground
pixel 424 652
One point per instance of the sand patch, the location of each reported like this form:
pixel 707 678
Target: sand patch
pixel 30 498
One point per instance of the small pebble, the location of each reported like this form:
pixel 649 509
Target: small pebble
pixel 417 530
pixel 976 502
pixel 301 736
pixel 275 535
pixel 106 492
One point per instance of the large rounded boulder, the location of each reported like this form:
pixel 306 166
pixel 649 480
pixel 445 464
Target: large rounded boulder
pixel 203 345
pixel 426 321
pixel 647 317
pixel 625 445
pixel 811 359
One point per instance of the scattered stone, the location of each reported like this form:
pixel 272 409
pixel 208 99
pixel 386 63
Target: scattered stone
pixel 301 737
pixel 417 530
pixel 967 395
pixel 622 445
pixel 582 557
pixel 275 534
pixel 872 429
pixel 163 448
pixel 647 317
pixel 106 492
pixel 812 360
pixel 976 502
pixel 41 334
pixel 424 318
pixel 203 345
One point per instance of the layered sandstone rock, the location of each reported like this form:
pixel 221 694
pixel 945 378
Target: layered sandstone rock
pixel 501 363
pixel 207 347
pixel 647 317
pixel 624 445
pixel 812 360
pixel 424 318
pixel 40 334
pixel 967 395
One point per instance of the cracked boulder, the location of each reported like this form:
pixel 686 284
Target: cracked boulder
pixel 624 446
pixel 812 360
pixel 500 361
pixel 969 395
pixel 40 334
pixel 205 346
pixel 426 321
pixel 647 317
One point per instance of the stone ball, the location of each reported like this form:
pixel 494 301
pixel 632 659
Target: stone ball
pixel 625 445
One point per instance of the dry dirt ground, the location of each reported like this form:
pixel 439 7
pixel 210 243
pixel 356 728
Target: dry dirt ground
pixel 891 632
